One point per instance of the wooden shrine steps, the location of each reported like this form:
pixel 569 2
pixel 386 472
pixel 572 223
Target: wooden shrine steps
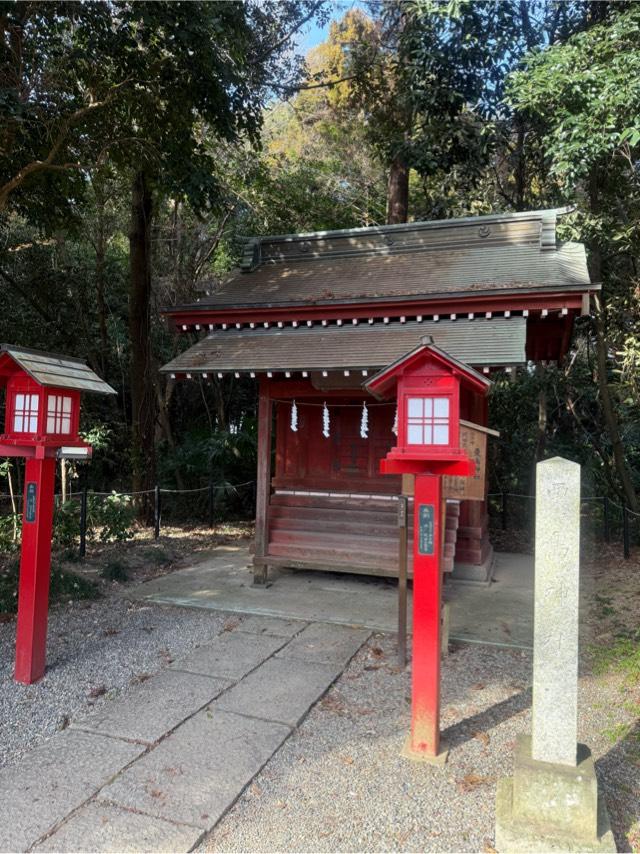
pixel 348 534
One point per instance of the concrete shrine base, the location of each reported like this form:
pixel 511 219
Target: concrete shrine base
pixel 551 807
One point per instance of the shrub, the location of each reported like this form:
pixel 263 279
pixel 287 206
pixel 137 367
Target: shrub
pixel 112 517
pixel 64 585
pixel 8 527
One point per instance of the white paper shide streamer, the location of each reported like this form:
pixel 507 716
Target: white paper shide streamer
pixel 325 422
pixel 394 429
pixel 294 417
pixel 364 422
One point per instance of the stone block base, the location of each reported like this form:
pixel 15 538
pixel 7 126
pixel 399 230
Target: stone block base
pixel 470 573
pixel 417 756
pixel 515 836
pixel 549 807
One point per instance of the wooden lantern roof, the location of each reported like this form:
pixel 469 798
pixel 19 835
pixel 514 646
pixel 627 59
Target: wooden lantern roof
pixel 50 370
pixel 382 385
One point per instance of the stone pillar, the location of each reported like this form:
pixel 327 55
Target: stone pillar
pixel 552 803
pixel 554 731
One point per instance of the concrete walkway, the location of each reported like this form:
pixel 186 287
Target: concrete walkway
pixel 501 613
pixel 157 768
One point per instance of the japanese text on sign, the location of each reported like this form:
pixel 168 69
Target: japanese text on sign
pixel 426 522
pixel 30 509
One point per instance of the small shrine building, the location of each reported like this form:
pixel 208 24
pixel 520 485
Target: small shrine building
pixel 313 316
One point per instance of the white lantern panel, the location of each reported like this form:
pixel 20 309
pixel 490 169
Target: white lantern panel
pixel 25 413
pixel 441 434
pixel 441 407
pixel 414 434
pixel 415 409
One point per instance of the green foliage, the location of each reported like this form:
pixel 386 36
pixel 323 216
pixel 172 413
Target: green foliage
pixel 66 524
pixel 587 94
pixel 9 525
pixel 64 586
pixel 620 656
pixel 111 517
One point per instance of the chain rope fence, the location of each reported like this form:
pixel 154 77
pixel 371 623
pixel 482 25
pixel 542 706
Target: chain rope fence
pixel 602 518
pixel 113 516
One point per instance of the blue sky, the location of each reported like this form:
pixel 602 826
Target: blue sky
pixel 314 34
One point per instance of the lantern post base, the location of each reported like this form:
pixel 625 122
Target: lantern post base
pixel 438 759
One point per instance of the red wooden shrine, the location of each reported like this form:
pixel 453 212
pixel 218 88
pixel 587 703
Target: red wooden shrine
pixel 42 418
pixel 426 385
pixel 311 317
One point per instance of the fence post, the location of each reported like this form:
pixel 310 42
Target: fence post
pixel 211 502
pixel 156 512
pixel 625 533
pixel 503 511
pixel 83 521
pixel 605 520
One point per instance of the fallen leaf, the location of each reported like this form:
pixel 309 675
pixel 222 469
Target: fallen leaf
pixel 483 737
pixel 478 686
pixel 471 781
pixel 377 652
pixel 97 691
pixel 230 625
pixel 488 848
pixel 348 760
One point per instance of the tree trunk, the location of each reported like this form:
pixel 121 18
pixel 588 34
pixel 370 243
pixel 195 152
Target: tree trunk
pixel 143 394
pixel 101 303
pixel 609 412
pixel 398 191
pixel 608 408
pixel 164 423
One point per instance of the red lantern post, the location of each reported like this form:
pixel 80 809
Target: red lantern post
pixel 41 424
pixel 427 385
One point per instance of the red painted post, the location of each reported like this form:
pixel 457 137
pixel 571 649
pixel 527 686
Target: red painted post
pixel 427 581
pixel 35 570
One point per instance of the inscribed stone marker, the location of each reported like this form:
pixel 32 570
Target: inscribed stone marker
pixel 557 569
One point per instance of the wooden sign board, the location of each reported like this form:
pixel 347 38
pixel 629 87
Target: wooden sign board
pixel 473 440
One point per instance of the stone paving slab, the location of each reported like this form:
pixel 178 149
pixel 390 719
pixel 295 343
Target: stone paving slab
pixel 230 656
pixel 279 690
pixel 54 779
pixel 155 707
pixel 99 827
pixel 276 626
pixel 324 643
pixel 198 771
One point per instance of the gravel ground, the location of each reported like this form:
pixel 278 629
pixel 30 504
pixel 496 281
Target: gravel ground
pixel 95 650
pixel 339 783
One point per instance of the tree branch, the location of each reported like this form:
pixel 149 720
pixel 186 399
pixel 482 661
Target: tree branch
pixel 288 35
pixel 48 162
pixel 17 288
